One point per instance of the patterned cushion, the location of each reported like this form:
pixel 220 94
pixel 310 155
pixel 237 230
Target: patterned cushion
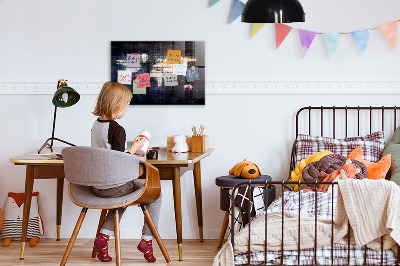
pixel 372 144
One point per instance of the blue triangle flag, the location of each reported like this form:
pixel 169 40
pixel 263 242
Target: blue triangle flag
pixel 361 37
pixel 237 9
pixel 213 2
pixel 332 41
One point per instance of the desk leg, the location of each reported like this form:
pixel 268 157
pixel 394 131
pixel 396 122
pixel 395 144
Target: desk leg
pixel 199 204
pixel 176 182
pixel 27 206
pixel 60 190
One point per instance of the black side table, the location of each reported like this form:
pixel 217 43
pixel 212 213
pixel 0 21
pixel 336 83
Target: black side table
pixel 226 183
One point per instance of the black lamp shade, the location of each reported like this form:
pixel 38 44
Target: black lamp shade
pixel 65 96
pixel 273 11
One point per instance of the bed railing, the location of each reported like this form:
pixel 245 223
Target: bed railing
pixel 265 185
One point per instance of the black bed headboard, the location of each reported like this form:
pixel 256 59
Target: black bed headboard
pixel 344 121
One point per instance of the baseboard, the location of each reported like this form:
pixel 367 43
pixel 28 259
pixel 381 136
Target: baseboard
pixel 231 87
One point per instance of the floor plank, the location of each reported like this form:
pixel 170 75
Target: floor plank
pixel 49 252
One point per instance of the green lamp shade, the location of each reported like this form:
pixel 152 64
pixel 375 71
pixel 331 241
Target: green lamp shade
pixel 65 96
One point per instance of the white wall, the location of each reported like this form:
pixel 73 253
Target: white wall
pixel 42 41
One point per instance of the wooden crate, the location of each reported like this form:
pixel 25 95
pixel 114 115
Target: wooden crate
pixel 171 143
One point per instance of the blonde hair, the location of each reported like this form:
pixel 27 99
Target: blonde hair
pixel 112 99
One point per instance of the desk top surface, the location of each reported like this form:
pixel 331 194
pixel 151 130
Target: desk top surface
pixel 164 157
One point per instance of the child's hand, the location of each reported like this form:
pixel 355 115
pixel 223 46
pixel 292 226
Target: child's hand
pixel 137 144
pixel 143 155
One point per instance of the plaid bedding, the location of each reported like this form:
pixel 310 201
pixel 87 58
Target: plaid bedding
pixel 372 145
pixel 323 207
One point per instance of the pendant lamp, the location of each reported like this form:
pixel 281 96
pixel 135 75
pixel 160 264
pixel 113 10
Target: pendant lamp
pixel 64 96
pixel 273 11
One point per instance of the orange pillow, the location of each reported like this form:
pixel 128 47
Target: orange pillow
pixel 375 170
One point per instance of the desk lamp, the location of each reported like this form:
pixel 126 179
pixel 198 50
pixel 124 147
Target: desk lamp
pixel 64 96
pixel 273 11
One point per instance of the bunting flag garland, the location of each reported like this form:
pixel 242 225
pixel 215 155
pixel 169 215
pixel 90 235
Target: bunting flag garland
pixel 332 41
pixel 306 39
pixel 256 27
pixel 361 37
pixel 389 30
pixel 237 9
pixel 281 31
pixel 213 2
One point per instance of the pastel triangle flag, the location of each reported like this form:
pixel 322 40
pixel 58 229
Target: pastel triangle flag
pixel 332 41
pixel 389 30
pixel 237 9
pixel 306 39
pixel 213 2
pixel 281 31
pixel 361 37
pixel 256 28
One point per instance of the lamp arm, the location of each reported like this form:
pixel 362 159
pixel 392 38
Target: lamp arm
pixel 54 126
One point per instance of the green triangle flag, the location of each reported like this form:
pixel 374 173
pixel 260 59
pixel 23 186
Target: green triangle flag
pixel 256 28
pixel 213 2
pixel 332 41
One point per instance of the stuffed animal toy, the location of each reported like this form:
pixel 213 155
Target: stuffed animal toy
pixel 375 170
pixel 13 215
pixel 180 144
pixel 245 169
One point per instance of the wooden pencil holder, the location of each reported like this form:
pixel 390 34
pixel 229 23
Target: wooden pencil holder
pixel 200 143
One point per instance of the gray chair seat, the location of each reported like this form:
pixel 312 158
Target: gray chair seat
pixel 83 196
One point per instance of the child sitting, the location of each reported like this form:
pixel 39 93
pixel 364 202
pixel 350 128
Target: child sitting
pixel 112 103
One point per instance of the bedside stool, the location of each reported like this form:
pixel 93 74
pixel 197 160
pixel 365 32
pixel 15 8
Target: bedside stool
pixel 228 182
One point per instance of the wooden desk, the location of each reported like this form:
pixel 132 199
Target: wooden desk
pixel 40 167
pixel 171 167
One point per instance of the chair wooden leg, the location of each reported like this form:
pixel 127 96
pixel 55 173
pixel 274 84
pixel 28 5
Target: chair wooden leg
pixel 117 238
pixel 101 222
pixel 223 229
pixel 154 230
pixel 73 237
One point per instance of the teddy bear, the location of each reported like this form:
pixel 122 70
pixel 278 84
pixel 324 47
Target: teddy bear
pixel 13 215
pixel 180 144
pixel 245 169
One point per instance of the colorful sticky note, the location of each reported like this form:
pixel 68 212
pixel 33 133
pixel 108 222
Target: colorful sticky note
pixel 144 80
pixel 136 90
pixel 192 75
pixel 180 69
pixel 133 60
pixel 170 79
pixel 125 77
pixel 174 56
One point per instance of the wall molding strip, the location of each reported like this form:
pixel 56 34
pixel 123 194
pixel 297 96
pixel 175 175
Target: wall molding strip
pixel 231 87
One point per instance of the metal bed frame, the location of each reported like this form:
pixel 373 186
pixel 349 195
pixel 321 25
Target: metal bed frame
pixel 283 184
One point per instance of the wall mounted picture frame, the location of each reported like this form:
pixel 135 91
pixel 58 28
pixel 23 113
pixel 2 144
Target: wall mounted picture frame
pixel 160 72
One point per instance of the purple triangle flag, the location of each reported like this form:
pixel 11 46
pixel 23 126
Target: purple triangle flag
pixel 306 39
pixel 237 9
pixel 361 37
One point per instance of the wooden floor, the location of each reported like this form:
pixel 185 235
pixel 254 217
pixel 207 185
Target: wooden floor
pixel 50 252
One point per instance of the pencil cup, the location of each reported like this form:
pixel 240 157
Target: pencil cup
pixel 200 143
